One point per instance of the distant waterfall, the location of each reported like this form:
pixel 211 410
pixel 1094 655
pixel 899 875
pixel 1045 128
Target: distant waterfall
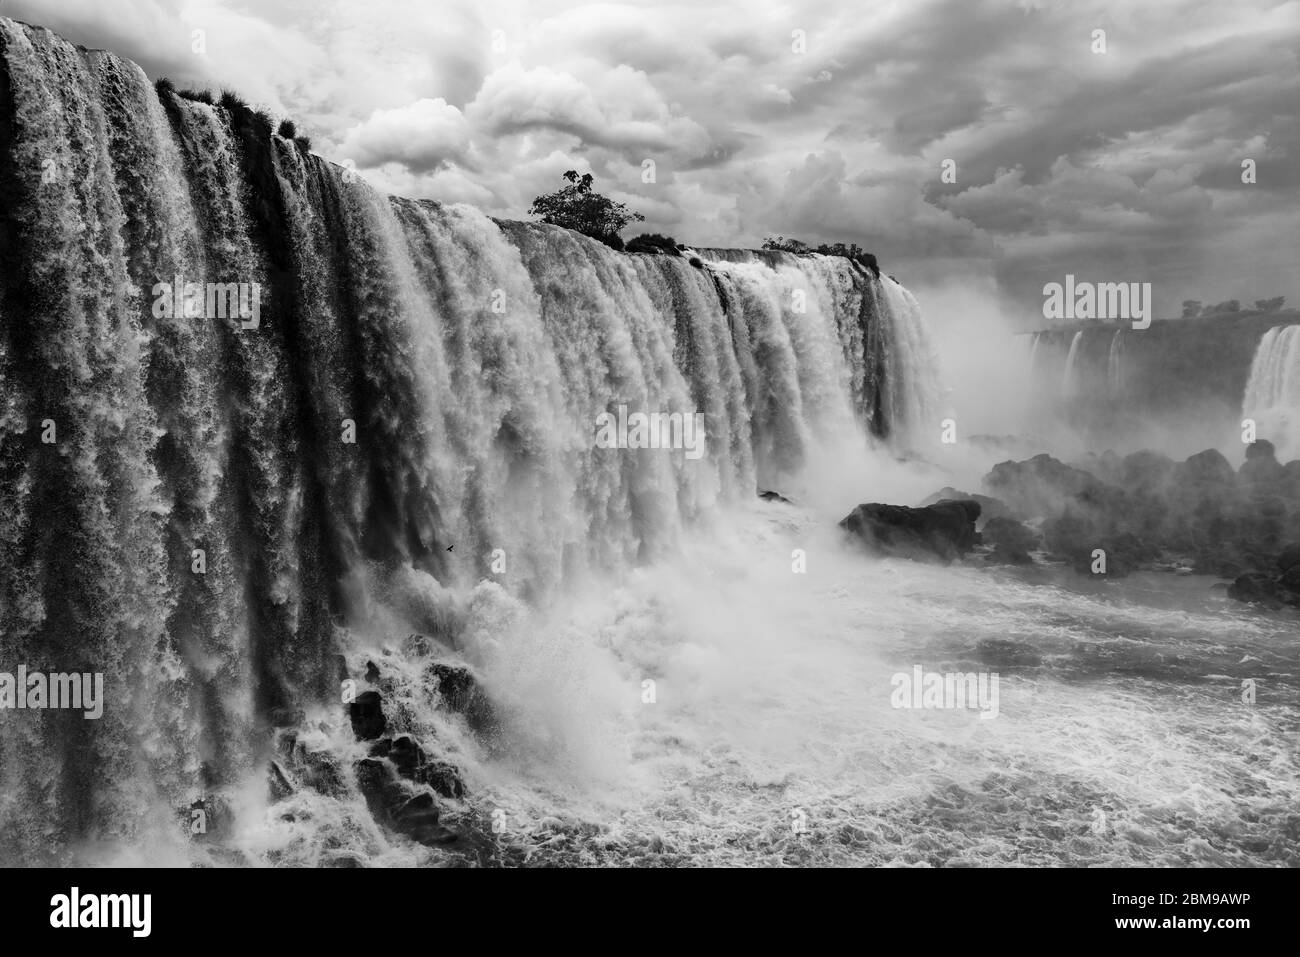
pixel 1070 380
pixel 1115 363
pixel 203 507
pixel 1272 396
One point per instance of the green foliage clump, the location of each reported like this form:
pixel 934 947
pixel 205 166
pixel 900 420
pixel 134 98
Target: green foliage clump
pixel 654 243
pixel 579 207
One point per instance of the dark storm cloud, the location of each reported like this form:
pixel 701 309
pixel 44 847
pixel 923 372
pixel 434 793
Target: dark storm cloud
pixel 816 119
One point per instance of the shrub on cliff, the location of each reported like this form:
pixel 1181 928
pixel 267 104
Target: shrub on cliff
pixel 653 243
pixel 287 130
pixel 579 207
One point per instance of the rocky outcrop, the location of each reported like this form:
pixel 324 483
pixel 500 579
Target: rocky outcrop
pixel 990 508
pixel 1012 541
pixel 1280 586
pixel 1044 486
pixel 941 532
pixel 367 715
pixel 1146 510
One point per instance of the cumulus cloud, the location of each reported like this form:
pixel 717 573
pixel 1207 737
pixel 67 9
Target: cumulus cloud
pixel 422 136
pixel 1127 162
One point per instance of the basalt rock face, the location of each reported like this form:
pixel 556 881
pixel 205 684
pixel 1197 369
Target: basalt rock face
pixel 941 532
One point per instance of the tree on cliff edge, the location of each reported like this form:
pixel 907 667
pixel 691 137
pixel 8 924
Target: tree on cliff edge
pixel 577 206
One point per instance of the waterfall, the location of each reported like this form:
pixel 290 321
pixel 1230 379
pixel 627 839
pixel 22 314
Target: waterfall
pixel 1114 363
pixel 207 508
pixel 1272 395
pixel 1070 378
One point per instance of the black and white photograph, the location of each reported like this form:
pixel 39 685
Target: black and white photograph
pixel 528 434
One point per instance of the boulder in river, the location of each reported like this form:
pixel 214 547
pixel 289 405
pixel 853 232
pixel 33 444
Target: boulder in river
pixel 944 531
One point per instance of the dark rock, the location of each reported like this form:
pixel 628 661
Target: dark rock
pixel 1012 541
pixel 378 784
pixel 1261 467
pixel 418 820
pixel 319 770
pixel 341 859
pixel 443 778
pixel 406 756
pixel 1001 555
pixel 1207 470
pixel 1290 557
pixel 461 693
pixel 1290 583
pixel 372 672
pixel 990 508
pixel 944 531
pixel 1043 486
pixel 1261 449
pixel 367 713
pixel 774 497
pixel 1146 471
pixel 280 785
pixel 1255 588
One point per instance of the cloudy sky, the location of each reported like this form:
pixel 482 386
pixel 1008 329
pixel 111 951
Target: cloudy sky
pixel 820 119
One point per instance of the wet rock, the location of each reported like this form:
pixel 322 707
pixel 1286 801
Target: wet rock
pixel 1076 540
pixel 990 508
pixel 406 756
pixel 460 692
pixel 1256 589
pixel 318 769
pixel 1261 468
pixel 341 859
pixel 944 531
pixel 278 780
pixel 1289 558
pixel 1146 471
pixel 372 673
pixel 418 819
pixel 774 497
pixel 367 714
pixel 1208 470
pixel 1011 540
pixel 378 784
pixel 1043 486
pixel 443 778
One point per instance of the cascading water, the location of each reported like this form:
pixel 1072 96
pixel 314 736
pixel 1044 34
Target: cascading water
pixel 1272 396
pixel 1115 363
pixel 212 511
pixel 1070 382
